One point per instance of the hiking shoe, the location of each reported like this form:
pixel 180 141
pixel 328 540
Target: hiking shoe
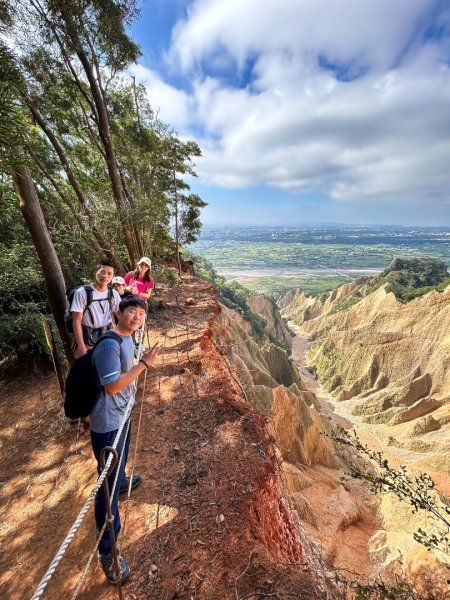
pixel 126 483
pixel 107 564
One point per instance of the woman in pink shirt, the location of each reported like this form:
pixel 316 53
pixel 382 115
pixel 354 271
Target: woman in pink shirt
pixel 139 282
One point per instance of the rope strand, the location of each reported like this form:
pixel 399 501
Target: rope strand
pixel 124 528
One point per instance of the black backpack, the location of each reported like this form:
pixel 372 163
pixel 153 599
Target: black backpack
pixel 83 383
pixel 70 292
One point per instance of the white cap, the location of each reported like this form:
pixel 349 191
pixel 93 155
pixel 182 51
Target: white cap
pixel 145 260
pixel 119 280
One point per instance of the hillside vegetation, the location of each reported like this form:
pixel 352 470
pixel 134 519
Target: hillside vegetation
pixel 414 277
pixel 87 169
pixel 236 297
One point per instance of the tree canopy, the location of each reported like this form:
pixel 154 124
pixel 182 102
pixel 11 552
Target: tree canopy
pixel 80 136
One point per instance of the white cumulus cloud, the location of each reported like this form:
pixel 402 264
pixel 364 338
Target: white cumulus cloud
pixel 349 98
pixel 171 103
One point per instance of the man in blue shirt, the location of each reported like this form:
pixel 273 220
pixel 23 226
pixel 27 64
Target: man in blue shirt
pixel 118 374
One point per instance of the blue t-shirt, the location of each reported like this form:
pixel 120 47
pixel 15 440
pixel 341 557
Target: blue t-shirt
pixel 111 359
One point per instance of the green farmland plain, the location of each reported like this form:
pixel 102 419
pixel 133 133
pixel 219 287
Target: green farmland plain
pixel 313 258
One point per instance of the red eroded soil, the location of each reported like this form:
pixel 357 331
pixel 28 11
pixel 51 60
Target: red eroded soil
pixel 208 521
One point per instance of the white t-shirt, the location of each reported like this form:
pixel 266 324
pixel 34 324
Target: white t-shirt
pixel 99 307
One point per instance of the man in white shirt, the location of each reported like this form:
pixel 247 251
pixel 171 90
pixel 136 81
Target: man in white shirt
pixel 91 319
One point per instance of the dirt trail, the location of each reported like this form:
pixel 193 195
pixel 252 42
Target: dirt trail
pixel 209 475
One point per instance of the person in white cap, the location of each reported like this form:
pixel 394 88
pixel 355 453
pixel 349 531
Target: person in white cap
pixel 139 282
pixel 118 284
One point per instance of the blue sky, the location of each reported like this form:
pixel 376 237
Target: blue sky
pixel 307 110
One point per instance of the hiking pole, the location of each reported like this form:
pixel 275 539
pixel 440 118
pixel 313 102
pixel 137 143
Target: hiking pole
pixel 110 517
pixel 148 337
pixel 50 339
pixel 141 340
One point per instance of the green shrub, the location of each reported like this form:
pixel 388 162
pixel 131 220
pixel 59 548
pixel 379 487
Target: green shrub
pixel 413 277
pixel 407 294
pixel 234 296
pixel 347 304
pixel 168 276
pixel 322 297
pixel 21 334
pixel 416 272
pixel 324 363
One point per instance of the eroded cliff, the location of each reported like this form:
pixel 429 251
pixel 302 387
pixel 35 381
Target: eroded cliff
pixel 340 518
pixel 385 366
pixel 275 324
pixel 391 360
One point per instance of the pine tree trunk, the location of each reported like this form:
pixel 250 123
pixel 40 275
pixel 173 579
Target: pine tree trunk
pixel 177 233
pixel 111 161
pixel 34 218
pixel 101 240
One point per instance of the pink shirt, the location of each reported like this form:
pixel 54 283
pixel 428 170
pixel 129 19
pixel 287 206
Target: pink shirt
pixel 142 286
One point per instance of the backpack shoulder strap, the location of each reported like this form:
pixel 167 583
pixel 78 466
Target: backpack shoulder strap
pixel 113 335
pixel 71 290
pixel 111 298
pixel 108 334
pixel 89 294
